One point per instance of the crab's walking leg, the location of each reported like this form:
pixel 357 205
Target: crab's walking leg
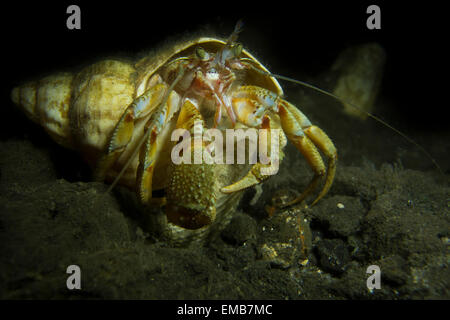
pixel 123 132
pixel 148 151
pixel 162 113
pixel 153 127
pixel 306 137
pixel 147 156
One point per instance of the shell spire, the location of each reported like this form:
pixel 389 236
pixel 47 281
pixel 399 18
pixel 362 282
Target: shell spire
pixel 79 110
pixel 47 102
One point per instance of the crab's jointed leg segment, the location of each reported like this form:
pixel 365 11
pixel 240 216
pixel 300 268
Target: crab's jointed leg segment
pixel 161 102
pixel 124 130
pixel 144 178
pixel 324 143
pixel 307 138
pixel 148 152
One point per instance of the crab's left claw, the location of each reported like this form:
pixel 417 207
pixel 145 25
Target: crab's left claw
pixel 259 171
pixel 252 178
pixel 307 138
pixel 250 104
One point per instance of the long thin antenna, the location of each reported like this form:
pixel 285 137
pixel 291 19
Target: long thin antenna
pixel 237 29
pixel 305 84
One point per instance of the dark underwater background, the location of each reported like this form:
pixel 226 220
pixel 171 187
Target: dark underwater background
pixel 396 201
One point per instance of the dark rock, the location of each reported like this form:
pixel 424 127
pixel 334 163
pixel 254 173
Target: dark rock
pixel 340 222
pixel 241 229
pixel 394 270
pixel 333 255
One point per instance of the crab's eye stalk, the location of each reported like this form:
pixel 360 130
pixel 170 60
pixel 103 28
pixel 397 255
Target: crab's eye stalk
pixel 201 54
pixel 237 49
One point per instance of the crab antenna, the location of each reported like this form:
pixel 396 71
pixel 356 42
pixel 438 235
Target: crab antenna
pixel 225 52
pixel 305 84
pixel 237 29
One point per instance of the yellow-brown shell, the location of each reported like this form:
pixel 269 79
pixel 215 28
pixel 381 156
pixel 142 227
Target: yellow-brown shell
pixel 80 111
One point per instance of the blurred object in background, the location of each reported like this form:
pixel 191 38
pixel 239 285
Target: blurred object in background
pixel 359 70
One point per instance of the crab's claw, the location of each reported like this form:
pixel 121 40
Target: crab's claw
pixel 191 201
pixel 252 106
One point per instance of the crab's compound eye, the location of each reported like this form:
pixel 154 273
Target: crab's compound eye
pixel 201 53
pixel 237 49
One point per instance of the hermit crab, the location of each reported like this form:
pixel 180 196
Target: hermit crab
pixel 120 116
